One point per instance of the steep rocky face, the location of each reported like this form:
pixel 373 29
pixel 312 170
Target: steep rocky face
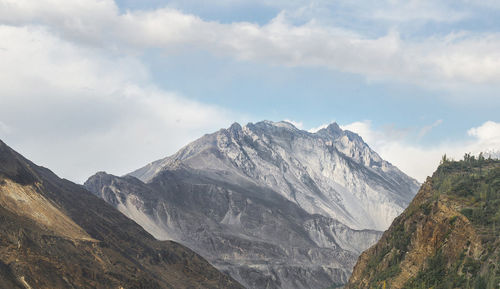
pixel 257 236
pixel 274 206
pixel 332 172
pixel 56 234
pixel 449 236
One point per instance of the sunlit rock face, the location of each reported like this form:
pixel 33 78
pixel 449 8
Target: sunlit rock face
pixel 272 205
pixel 447 237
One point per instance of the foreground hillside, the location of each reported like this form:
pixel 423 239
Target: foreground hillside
pixel 449 236
pixel 55 234
pixel 272 205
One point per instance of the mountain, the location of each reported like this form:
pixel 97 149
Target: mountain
pixel 331 172
pixel 56 234
pixel 272 205
pixel 449 236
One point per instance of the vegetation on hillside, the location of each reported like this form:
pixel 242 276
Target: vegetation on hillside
pixel 474 183
pixel 450 233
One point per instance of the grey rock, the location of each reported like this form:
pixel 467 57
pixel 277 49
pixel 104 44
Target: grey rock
pixel 272 205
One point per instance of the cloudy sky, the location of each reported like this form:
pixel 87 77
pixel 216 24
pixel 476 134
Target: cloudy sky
pixel 89 85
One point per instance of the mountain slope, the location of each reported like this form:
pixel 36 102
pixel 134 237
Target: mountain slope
pixel 55 234
pixel 331 172
pixel 274 206
pixel 449 236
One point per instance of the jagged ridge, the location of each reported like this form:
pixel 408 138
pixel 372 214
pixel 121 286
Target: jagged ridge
pixel 331 172
pixel 275 206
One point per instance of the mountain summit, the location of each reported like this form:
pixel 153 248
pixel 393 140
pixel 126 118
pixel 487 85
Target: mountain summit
pixel 332 172
pixel 272 205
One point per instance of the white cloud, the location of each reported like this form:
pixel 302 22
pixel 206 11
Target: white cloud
pixel 297 124
pixel 487 135
pixel 78 110
pixel 71 79
pixel 426 129
pixel 447 61
pixel 316 129
pixel 421 161
pixel 363 128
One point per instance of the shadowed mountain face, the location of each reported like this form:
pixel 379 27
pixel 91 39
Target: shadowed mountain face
pixel 55 234
pixel 272 205
pixel 449 236
pixel 332 172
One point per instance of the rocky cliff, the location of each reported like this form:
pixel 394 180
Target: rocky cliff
pixel 272 205
pixel 449 236
pixel 56 234
pixel 332 172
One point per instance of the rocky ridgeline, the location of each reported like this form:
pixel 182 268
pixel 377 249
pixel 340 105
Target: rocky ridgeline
pixel 55 234
pixel 272 205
